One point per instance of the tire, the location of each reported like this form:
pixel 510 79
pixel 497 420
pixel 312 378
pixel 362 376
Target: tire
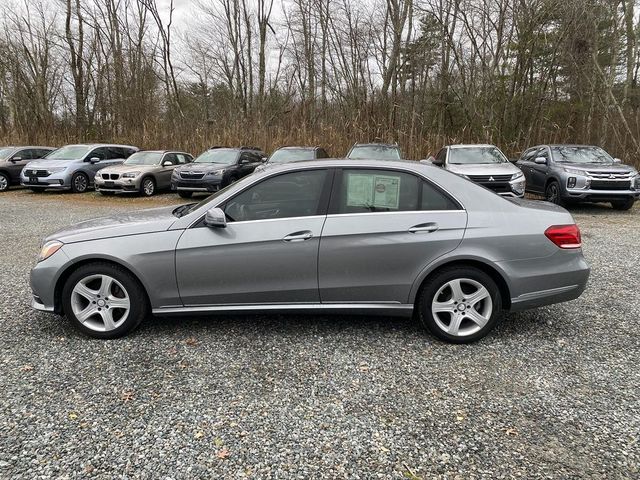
pixel 553 194
pixel 90 294
pixel 185 194
pixel 106 194
pixel 148 187
pixel 452 323
pixel 36 190
pixel 623 204
pixel 5 182
pixel 79 182
pixel 232 179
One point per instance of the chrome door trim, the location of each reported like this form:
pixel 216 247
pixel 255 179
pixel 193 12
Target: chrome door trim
pixel 252 307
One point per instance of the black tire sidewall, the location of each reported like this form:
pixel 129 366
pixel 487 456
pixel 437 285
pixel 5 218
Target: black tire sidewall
pixel 138 298
pixel 185 194
pixel 73 182
pixel 558 200
pixel 6 177
pixel 623 204
pixel 446 275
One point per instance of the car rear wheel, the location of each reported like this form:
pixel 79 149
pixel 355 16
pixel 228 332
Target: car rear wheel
pixel 148 187
pixel 460 304
pixel 185 194
pixel 623 204
pixel 104 301
pixel 79 183
pixel 552 193
pixel 4 182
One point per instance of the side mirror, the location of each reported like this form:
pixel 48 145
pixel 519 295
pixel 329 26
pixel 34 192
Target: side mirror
pixel 167 163
pixel 94 160
pixel 215 218
pixel 16 159
pixel 243 161
pixel 617 160
pixel 264 159
pixel 540 160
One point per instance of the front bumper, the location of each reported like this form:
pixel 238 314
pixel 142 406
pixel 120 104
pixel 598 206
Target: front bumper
pixel 588 195
pixel 121 185
pixel 205 184
pixel 58 181
pixel 43 279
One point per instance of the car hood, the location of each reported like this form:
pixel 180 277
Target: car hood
pixel 132 223
pixel 484 169
pixel 44 163
pixel 129 168
pixel 599 167
pixel 202 167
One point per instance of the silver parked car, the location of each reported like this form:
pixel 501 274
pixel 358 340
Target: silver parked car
pixel 483 164
pixel 333 235
pixel 143 172
pixel 73 167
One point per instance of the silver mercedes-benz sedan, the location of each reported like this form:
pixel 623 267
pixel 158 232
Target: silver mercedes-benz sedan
pixel 356 236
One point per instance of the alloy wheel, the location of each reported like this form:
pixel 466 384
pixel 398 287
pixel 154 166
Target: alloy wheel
pixel 80 183
pixel 4 183
pixel 148 187
pixel 462 307
pixel 100 302
pixel 552 193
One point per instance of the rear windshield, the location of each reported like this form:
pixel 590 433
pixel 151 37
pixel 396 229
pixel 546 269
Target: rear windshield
pixel 291 155
pixel 225 156
pixel 70 152
pixel 144 158
pixel 375 152
pixel 581 155
pixel 476 155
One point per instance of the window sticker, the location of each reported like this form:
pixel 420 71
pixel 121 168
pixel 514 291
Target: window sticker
pixel 366 190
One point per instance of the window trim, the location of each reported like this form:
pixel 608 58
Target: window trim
pixel 323 203
pixel 339 175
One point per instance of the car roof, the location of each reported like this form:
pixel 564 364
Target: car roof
pixel 470 145
pixel 376 144
pixel 94 145
pixel 163 151
pixel 298 147
pixel 349 162
pixel 28 146
pixel 568 145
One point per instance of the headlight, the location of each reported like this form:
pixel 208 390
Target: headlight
pixel 49 249
pixel 575 171
pixel 130 174
pixel 217 172
pixel 517 175
pixel 55 170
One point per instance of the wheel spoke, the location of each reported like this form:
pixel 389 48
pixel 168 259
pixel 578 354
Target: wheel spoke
pixel 456 289
pixel 105 286
pixel 477 296
pixel 476 318
pixel 107 318
pixel 83 315
pixel 454 326
pixel 84 291
pixel 447 306
pixel 116 302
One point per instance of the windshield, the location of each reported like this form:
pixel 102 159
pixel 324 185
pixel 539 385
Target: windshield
pixel 581 155
pixel 5 152
pixel 192 207
pixel 476 155
pixel 286 155
pixel 144 158
pixel 375 152
pixel 226 156
pixel 70 152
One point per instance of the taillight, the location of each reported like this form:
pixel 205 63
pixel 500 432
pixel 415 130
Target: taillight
pixel 564 236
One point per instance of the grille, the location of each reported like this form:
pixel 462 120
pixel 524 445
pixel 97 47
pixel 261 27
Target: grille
pixel 191 175
pixel 610 185
pixel 487 178
pixel 615 175
pixel 110 176
pixel 36 173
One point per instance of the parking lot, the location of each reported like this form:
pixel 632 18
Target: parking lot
pixel 553 392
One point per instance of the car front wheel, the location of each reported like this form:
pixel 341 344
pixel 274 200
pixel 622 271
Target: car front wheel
pixel 460 304
pixel 79 183
pixel 148 187
pixel 552 193
pixel 623 204
pixel 104 300
pixel 4 182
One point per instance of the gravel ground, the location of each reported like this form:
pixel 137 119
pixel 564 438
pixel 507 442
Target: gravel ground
pixel 553 393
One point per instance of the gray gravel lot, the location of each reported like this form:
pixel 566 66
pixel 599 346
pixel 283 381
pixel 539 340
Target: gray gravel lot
pixel 553 393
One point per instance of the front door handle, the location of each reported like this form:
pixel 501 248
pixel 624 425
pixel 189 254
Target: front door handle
pixel 298 236
pixel 424 227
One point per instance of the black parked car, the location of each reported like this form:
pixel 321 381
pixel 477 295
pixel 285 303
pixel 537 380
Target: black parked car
pixel 216 168
pixel 13 160
pixel 567 174
pixel 294 154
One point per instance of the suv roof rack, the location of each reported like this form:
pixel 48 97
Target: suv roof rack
pixel 249 148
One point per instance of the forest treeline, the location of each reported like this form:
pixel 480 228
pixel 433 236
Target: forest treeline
pixel 422 73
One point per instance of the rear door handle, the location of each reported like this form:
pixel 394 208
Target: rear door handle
pixel 424 227
pixel 298 236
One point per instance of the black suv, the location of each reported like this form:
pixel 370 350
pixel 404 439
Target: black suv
pixel 13 160
pixel 216 168
pixel 294 154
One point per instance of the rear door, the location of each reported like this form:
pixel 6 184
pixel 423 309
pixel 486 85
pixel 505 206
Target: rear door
pixel 268 252
pixel 384 227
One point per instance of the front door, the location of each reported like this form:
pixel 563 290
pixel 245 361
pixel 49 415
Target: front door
pixel 268 253
pixel 384 227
